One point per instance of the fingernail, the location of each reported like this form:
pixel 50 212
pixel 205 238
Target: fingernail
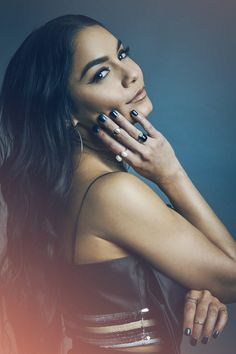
pixel 134 113
pixel 215 334
pixel 193 341
pixel 102 118
pixel 113 114
pixel 187 331
pixel 205 340
pixel 96 128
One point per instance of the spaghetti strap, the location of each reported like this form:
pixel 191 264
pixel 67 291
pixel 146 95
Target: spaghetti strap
pixel 78 214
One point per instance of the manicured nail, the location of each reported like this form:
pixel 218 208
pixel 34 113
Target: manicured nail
pixel 96 128
pixel 113 114
pixel 102 118
pixel 193 341
pixel 133 113
pixel 205 340
pixel 187 331
pixel 215 334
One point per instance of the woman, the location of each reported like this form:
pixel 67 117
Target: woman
pixel 114 257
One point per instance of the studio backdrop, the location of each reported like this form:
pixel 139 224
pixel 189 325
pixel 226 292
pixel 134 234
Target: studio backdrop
pixel 187 51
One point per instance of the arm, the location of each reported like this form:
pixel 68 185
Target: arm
pixel 137 219
pixel 156 160
pixel 187 201
pixel 206 308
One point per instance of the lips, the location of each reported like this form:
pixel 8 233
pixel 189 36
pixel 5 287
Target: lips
pixel 137 94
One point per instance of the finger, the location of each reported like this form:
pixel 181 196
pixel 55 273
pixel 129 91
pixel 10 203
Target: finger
pixel 210 322
pixel 124 123
pixel 221 321
pixel 114 146
pixel 146 124
pixel 189 313
pixel 122 136
pixel 201 316
pixel 190 306
pixel 199 320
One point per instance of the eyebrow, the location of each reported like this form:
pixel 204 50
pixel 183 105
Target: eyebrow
pixel 98 60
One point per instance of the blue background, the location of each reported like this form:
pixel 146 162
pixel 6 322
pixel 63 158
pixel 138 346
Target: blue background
pixel 187 50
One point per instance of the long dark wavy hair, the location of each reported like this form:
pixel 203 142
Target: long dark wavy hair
pixel 36 169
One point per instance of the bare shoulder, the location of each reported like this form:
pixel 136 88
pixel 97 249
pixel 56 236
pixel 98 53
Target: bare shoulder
pixel 123 198
pixel 113 186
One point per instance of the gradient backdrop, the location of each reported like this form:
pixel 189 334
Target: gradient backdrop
pixel 187 50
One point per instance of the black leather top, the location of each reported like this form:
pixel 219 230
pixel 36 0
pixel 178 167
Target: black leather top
pixel 115 291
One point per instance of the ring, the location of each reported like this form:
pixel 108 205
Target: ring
pixel 223 310
pixel 124 153
pixel 142 137
pixel 192 299
pixel 199 322
pixel 116 131
pixel 119 158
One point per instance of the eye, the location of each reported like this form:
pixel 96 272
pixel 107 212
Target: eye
pixel 98 76
pixel 123 53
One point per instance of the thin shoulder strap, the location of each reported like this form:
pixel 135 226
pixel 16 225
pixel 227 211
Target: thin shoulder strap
pixel 78 214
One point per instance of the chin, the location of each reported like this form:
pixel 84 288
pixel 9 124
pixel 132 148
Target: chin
pixel 145 107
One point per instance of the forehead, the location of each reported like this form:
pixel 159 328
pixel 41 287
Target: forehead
pixel 91 43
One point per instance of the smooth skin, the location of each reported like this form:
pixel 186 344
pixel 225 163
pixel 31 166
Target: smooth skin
pixel 189 244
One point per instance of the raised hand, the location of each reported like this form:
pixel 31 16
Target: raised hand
pixel 150 154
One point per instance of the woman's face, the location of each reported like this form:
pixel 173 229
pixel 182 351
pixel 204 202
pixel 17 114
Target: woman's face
pixel 106 85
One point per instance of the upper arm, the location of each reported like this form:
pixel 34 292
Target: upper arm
pixel 128 212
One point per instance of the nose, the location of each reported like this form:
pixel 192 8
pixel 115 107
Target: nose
pixel 129 75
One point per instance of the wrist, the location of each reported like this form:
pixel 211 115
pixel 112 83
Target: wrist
pixel 171 183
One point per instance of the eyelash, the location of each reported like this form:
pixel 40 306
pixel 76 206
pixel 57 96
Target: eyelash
pixel 96 77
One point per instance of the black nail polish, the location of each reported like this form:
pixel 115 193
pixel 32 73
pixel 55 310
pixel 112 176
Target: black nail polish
pixel 133 113
pixel 95 128
pixel 102 118
pixel 187 331
pixel 193 341
pixel 113 114
pixel 216 334
pixel 205 340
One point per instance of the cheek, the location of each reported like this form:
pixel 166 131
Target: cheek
pixel 101 100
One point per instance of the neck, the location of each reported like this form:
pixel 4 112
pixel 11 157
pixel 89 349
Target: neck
pixel 92 146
